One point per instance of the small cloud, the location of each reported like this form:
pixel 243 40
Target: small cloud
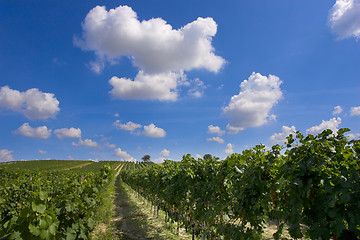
pixel 233 130
pixel 216 130
pixel 197 156
pixel 229 149
pixel 251 107
pixel 165 153
pixel 70 157
pixel 33 103
pixel 353 135
pixel 6 155
pixel 68 133
pixel 129 126
pixel 116 115
pixel 332 124
pixel 281 137
pixel 159 160
pixel 337 110
pixel 110 145
pixel 153 131
pixel 86 143
pixel 355 111
pixel 123 155
pixel 40 132
pixel 42 152
pixel 216 139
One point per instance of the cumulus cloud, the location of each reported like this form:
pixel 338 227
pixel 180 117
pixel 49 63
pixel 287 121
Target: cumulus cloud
pixel 161 86
pixel 355 111
pixel 33 103
pixel 159 160
pixel 337 110
pixel 251 107
pixel 110 145
pixel 229 149
pixel 232 129
pixel 6 155
pixel 39 132
pixel 215 130
pixel 123 155
pixel 281 137
pixel 332 124
pixel 118 32
pixel 86 143
pixel 216 139
pixel 129 126
pixel 197 89
pixel 68 133
pixel 155 132
pixel 165 153
pixel 344 18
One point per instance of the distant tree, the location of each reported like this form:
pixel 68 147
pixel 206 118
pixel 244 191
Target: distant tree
pixel 146 158
pixel 207 157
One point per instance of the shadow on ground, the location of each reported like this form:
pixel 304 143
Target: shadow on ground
pixel 129 222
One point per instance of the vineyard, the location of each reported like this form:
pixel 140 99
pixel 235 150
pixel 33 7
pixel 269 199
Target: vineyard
pixel 310 188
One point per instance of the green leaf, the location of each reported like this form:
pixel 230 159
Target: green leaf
pixel 38 208
pixel 43 195
pixel 34 230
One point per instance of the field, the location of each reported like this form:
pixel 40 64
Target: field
pixel 310 190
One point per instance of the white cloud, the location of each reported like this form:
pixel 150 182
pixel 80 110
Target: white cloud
pixel 159 160
pixel 153 131
pixel 70 157
pixel 197 89
pixel 355 111
pixel 332 124
pixel 233 130
pixel 337 110
pixel 86 143
pixel 161 86
pixel 353 135
pixel 165 153
pixel 251 107
pixel 216 139
pixel 129 126
pixel 118 32
pixel 197 156
pixel 216 130
pixel 33 103
pixel 6 155
pixel 42 152
pixel 68 133
pixel 40 132
pixel 281 137
pixel 123 155
pixel 344 18
pixel 229 149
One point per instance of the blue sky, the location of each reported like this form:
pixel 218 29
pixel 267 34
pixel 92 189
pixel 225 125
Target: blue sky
pixel 115 80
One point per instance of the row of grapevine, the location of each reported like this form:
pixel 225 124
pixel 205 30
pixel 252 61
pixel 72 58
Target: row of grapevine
pixel 43 165
pixel 313 190
pixel 50 205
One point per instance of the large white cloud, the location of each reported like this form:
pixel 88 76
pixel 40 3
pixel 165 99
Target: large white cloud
pixel 68 133
pixel 355 111
pixel 344 18
pixel 161 86
pixel 332 124
pixel 251 107
pixel 281 137
pixel 123 155
pixel 6 155
pixel 160 52
pixel 39 132
pixel 153 45
pixel 155 132
pixel 86 143
pixel 33 103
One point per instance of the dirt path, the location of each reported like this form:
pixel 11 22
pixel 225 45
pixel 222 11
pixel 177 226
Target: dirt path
pixel 134 219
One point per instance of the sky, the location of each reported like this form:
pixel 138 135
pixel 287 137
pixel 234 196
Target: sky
pixel 116 80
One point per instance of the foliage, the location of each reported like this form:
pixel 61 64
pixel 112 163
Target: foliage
pixel 313 189
pixel 146 158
